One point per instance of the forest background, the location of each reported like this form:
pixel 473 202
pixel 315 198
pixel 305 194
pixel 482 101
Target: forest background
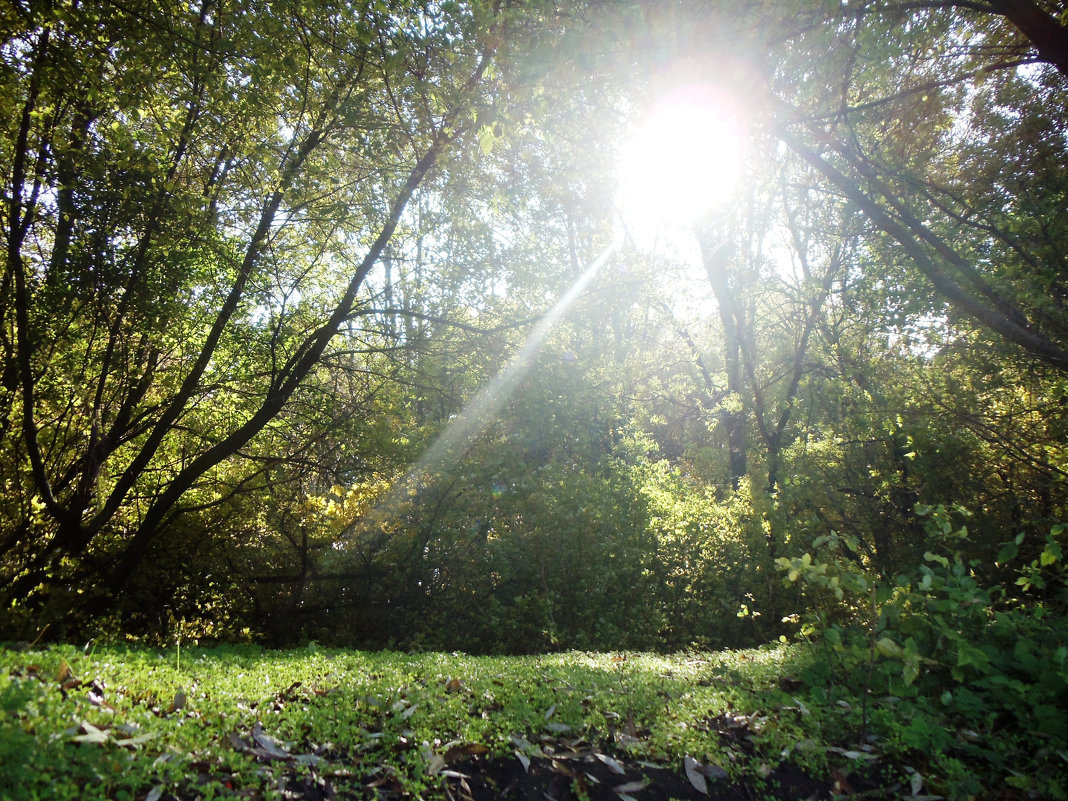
pixel 284 355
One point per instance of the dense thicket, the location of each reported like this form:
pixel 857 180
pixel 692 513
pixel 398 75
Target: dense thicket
pixel 258 261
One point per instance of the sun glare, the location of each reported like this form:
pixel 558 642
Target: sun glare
pixel 682 162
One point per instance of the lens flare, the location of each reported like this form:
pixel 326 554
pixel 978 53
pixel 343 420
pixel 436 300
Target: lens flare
pixel 683 160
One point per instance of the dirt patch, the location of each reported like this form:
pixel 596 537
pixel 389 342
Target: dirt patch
pixel 594 777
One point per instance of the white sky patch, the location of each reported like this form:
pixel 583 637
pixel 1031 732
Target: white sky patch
pixel 682 163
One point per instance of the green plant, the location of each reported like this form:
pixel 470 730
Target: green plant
pixel 950 665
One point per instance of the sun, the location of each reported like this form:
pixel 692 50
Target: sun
pixel 683 160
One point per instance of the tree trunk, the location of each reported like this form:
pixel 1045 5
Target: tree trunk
pixel 715 257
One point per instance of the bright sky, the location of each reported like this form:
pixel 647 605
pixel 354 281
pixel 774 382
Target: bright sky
pixel 682 162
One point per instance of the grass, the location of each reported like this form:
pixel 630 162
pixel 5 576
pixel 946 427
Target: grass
pixel 150 724
pixel 137 723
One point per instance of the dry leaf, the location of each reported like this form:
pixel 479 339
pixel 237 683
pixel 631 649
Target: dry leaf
pixel 133 742
pixel 612 764
pixel 92 734
pixel 916 783
pixel 563 769
pixel 693 773
pixel 178 703
pixel 271 748
pixel 457 752
pixel 841 782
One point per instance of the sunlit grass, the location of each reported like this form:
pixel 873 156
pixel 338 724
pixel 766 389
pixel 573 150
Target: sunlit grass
pixel 121 722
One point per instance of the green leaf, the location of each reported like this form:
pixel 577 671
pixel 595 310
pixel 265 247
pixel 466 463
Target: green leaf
pixel 1008 552
pixel 486 139
pixel 911 671
pixel 933 557
pixel 1052 554
pixel 888 648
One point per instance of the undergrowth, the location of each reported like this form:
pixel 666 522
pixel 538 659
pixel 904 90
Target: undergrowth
pixel 115 722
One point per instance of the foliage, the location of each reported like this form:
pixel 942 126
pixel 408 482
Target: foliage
pixel 260 263
pixel 974 674
pixel 183 187
pixel 119 722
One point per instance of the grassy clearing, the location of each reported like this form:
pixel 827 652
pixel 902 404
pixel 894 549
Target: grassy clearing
pixel 149 724
pixel 135 723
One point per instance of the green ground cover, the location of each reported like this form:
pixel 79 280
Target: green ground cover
pixel 142 723
pixel 152 723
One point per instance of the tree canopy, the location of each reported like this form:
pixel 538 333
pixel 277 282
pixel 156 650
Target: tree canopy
pixel 323 320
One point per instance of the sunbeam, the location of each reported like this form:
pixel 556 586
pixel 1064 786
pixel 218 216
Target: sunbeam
pixel 483 408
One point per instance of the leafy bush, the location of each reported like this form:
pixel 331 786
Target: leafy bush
pixel 970 673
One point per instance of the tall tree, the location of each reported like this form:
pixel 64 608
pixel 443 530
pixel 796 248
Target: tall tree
pixel 182 187
pixel 895 140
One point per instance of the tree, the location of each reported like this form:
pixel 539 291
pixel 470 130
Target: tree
pixel 893 143
pixel 182 187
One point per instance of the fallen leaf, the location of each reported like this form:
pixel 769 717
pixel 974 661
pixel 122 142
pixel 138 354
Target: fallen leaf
pixel 96 695
pixel 916 783
pixel 562 769
pixel 550 712
pixel 178 703
pixel 64 672
pixel 629 787
pixel 133 742
pixel 453 686
pixel 612 764
pixel 92 734
pixel 693 773
pixel 458 752
pixel 863 755
pixel 841 782
pixel 714 771
pixel 524 761
pixel 558 728
pixel 271 747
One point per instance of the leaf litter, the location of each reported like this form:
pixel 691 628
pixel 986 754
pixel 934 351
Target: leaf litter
pixel 343 732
